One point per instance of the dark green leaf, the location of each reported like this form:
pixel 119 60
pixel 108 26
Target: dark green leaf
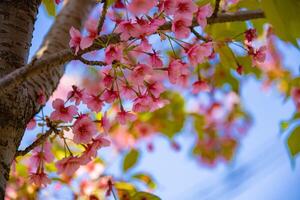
pixel 294 141
pixel 144 196
pixel 130 159
pixel 50 7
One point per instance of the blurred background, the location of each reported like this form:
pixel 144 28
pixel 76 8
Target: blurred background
pixel 262 168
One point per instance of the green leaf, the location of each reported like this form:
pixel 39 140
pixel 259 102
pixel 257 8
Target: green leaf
pixel 226 30
pixel 50 7
pixel 199 123
pixel 144 196
pixel 249 4
pixel 145 178
pixel 284 125
pixel 170 119
pixel 284 16
pixel 130 159
pixel 294 141
pixel 203 2
pixel 124 186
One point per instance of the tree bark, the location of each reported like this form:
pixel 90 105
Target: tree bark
pixel 16 26
pixel 19 105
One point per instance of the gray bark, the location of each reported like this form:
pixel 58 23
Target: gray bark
pixel 19 105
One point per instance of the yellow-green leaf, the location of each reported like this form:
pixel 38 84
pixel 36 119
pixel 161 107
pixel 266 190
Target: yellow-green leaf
pixel 50 7
pixel 130 159
pixel 294 141
pixel 144 196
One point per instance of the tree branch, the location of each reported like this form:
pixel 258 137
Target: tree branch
pixel 216 10
pixel 36 143
pixel 102 18
pixel 91 62
pixel 64 56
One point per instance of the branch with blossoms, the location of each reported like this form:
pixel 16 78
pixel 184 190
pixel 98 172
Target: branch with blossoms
pixel 134 74
pixel 19 75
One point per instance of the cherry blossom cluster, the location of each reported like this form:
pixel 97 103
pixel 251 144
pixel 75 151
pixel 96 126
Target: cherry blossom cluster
pixel 132 77
pixel 218 138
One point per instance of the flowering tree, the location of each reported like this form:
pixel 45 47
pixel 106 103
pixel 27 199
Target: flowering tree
pixel 144 60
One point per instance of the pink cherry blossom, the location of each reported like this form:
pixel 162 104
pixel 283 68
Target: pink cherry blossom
pixel 31 124
pixel 124 116
pixel 155 88
pixel 113 53
pixel 41 154
pixel 175 70
pixel 119 4
pixel 92 27
pixel 105 123
pixel 137 7
pixel 127 91
pixel 180 26
pixel 168 6
pixel 76 38
pixel 140 72
pixel 127 29
pixel 200 86
pixel 110 95
pixel 155 60
pixel 185 8
pixel 158 103
pixel 142 103
pixel 91 149
pixel 250 35
pixel 295 94
pixel 94 102
pixel 58 1
pixel 41 99
pixel 61 112
pixel 40 179
pixel 203 13
pixel 108 80
pixel 68 165
pixel 198 52
pixel 83 129
pixel 76 95
pixel 259 55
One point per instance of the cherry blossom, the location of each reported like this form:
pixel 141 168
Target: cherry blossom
pixel 62 112
pixel 198 52
pixel 137 7
pixel 203 13
pixel 124 116
pixel 127 29
pixel 91 26
pixel 94 102
pixel 31 124
pixel 40 179
pixel 200 86
pixel 105 123
pixel 68 165
pixel 180 26
pixel 76 38
pixel 113 53
pixel 84 129
pixel 185 8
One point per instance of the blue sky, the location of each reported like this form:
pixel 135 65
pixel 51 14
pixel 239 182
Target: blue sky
pixel 262 169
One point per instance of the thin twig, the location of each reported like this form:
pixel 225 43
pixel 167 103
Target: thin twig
pixel 200 37
pixel 36 143
pixel 103 15
pixel 217 7
pixel 91 62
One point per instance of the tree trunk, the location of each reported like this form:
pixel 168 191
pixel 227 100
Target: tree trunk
pixel 16 26
pixel 18 106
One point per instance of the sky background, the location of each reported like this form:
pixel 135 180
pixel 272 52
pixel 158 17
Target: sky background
pixel 261 170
